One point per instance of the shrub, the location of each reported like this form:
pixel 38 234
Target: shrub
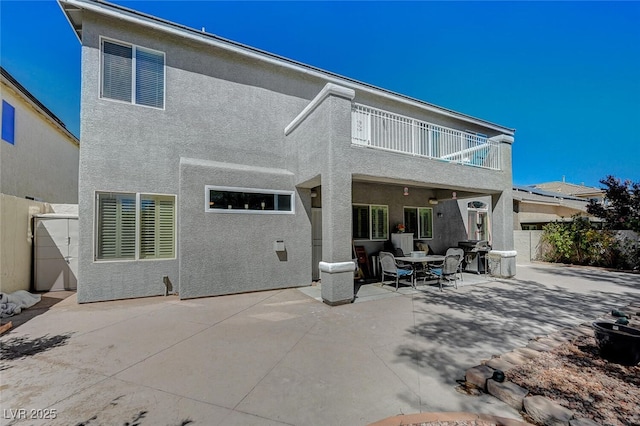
pixel 576 242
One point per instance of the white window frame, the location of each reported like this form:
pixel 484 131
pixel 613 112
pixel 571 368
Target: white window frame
pixel 479 211
pixel 208 209
pixel 137 257
pixel 134 49
pixel 419 230
pixel 370 238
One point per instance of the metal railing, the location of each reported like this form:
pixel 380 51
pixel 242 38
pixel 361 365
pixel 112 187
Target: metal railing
pixel 380 129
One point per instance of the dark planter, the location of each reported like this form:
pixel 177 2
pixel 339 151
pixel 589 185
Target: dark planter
pixel 618 343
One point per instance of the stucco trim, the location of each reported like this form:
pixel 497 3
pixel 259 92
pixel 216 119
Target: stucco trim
pixel 234 166
pixel 329 89
pixel 503 138
pixel 337 267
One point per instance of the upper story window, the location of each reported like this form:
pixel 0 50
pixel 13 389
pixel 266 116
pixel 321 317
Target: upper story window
pixel 8 122
pixel 222 199
pixel 132 74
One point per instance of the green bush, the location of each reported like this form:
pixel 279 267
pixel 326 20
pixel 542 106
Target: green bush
pixel 576 242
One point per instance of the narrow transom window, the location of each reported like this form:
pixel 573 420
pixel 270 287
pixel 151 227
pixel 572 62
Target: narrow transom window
pixel 248 200
pixel 132 74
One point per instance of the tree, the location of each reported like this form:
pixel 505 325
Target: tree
pixel 622 210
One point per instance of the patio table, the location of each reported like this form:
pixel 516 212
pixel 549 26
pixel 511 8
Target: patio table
pixel 433 258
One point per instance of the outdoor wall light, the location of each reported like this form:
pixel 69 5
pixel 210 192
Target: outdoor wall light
pixel 454 195
pixel 433 201
pixel 439 214
pixel 406 191
pixel 314 194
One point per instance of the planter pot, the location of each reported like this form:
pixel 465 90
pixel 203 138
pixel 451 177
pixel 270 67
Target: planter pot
pixel 618 343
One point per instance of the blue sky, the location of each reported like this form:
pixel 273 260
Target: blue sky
pixel 565 75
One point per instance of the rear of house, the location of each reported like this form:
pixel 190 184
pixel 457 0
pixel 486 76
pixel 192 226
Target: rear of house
pixel 223 169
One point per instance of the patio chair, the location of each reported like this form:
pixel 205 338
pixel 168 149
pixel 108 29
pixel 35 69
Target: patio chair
pixel 448 270
pixel 392 269
pixel 459 252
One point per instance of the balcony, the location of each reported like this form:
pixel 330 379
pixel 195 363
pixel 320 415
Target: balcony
pixel 378 129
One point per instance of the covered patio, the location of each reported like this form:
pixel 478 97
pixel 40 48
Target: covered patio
pixel 369 291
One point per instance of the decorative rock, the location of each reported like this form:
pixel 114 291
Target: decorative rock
pixel 537 346
pixel 515 358
pixel 478 376
pixel 582 422
pixel 500 364
pixel 528 352
pixel 507 392
pixel 546 412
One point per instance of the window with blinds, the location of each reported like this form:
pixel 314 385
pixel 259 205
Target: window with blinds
pixel 157 217
pixel 370 222
pixel 135 226
pixel 132 74
pixel 116 226
pixel 419 221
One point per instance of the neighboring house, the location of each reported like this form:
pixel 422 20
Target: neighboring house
pixel 217 168
pixel 39 157
pixel 573 190
pixel 39 161
pixel 533 208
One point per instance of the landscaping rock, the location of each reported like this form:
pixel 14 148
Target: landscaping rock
pixel 582 422
pixel 546 412
pixel 528 352
pixel 500 364
pixel 507 392
pixel 515 358
pixel 478 376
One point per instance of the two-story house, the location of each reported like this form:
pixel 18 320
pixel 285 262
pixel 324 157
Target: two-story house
pixel 222 169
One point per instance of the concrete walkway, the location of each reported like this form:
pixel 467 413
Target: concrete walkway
pixel 281 357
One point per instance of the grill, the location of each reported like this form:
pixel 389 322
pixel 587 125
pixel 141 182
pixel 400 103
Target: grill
pixel 475 255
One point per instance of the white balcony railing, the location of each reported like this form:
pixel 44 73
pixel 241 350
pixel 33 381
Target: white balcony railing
pixel 380 129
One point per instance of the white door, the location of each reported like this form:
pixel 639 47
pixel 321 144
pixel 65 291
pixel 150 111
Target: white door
pixel 316 238
pixel 56 254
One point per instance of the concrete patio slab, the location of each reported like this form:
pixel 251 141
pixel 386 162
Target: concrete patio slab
pixel 282 357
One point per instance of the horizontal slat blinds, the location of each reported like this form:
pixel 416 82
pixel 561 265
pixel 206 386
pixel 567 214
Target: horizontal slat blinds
pixel 116 71
pixel 116 226
pixel 426 222
pixel 379 223
pixel 157 229
pixel 149 78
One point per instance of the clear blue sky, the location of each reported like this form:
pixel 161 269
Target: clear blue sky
pixel 566 75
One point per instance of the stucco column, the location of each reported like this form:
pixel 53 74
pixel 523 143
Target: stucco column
pixel 335 272
pixel 502 205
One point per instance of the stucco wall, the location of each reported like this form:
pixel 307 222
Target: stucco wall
pixel 217 108
pixel 223 124
pixel 16 241
pixel 527 244
pixel 223 253
pixel 43 161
